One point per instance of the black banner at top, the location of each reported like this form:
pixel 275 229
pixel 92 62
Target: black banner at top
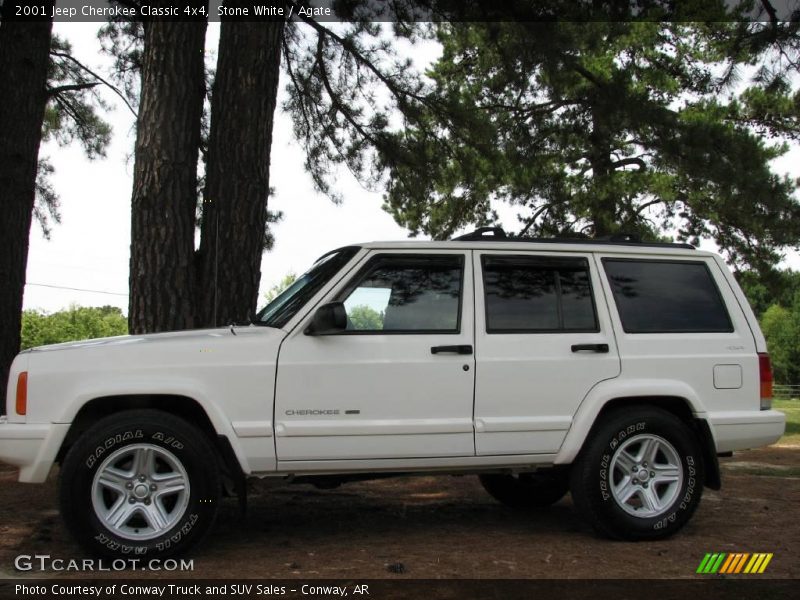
pixel 404 10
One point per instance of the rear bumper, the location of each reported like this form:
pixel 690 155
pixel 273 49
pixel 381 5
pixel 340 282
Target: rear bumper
pixel 31 446
pixel 746 429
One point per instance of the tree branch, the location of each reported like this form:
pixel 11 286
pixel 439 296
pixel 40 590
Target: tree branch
pixel 70 110
pixel 586 74
pixel 294 81
pixel 334 97
pixel 541 108
pixel 71 88
pixel 639 209
pixel 629 161
pixel 336 146
pixel 533 218
pixel 97 77
pixel 350 47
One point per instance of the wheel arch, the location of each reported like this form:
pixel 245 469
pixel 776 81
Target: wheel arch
pixel 183 407
pixel 684 406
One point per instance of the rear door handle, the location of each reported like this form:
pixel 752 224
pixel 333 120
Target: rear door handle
pixel 463 349
pixel 590 348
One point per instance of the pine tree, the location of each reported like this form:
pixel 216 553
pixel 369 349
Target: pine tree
pixel 593 128
pixel 24 60
pixel 162 278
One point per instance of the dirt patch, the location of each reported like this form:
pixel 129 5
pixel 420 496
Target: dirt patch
pixel 446 527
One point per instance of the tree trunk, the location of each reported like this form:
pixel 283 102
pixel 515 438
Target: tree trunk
pixel 237 176
pixel 24 58
pixel 602 208
pixel 165 177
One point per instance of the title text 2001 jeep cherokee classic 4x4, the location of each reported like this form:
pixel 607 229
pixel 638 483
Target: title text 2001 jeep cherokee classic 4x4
pixel 616 370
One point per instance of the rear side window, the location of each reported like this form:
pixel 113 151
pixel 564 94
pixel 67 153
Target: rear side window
pixel 528 294
pixel 655 296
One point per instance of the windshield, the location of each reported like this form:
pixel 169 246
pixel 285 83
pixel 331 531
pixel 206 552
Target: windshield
pixel 280 311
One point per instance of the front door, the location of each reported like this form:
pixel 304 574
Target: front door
pixel 398 383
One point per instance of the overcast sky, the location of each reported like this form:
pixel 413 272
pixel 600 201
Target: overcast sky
pixel 90 249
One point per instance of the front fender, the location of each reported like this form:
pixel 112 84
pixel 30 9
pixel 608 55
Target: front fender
pixel 92 390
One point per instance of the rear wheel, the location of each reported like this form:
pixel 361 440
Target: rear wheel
pixel 141 484
pixel 527 490
pixel 640 476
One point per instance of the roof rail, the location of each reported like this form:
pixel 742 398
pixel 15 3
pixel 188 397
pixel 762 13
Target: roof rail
pixel 483 233
pixel 497 234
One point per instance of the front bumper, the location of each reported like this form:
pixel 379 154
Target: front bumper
pixel 746 429
pixel 31 446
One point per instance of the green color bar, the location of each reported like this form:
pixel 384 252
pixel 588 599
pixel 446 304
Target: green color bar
pixel 703 564
pixel 718 564
pixel 711 562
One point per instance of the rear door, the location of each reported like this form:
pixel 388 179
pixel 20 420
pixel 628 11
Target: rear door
pixel 398 383
pixel 543 340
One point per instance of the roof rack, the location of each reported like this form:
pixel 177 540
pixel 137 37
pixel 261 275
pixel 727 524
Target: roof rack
pixel 497 234
pixel 482 233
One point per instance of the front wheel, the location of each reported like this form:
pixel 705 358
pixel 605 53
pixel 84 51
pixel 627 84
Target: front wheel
pixel 142 484
pixel 640 476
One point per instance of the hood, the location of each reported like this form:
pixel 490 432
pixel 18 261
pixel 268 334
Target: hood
pixel 200 336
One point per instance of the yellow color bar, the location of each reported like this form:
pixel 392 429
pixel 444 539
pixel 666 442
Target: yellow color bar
pixel 765 563
pixel 755 562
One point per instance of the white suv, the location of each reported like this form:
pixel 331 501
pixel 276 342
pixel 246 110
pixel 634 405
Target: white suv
pixel 613 369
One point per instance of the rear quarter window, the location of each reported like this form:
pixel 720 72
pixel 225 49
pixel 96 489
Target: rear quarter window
pixel 660 296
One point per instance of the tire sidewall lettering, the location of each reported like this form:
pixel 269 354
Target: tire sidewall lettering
pixel 111 443
pixel 691 483
pixel 168 440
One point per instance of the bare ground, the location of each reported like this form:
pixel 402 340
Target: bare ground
pixel 445 527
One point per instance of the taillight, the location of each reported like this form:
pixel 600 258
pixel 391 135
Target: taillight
pixel 22 393
pixel 765 377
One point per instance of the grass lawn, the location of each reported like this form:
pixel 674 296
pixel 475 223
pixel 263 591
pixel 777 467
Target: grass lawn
pixel 792 410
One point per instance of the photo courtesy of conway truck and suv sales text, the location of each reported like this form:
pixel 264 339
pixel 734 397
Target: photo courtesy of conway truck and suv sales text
pixel 613 369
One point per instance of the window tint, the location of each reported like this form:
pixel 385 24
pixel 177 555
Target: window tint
pixel 537 294
pixel 664 296
pixel 405 294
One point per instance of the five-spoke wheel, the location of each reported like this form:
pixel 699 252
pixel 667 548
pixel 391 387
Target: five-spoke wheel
pixel 646 475
pixel 140 491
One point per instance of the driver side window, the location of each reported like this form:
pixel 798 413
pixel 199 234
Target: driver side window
pixel 406 294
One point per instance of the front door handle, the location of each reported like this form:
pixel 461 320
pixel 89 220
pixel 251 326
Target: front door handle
pixel 462 349
pixel 603 348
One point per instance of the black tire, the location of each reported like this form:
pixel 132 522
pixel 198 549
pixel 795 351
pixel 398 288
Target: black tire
pixel 598 483
pixel 171 451
pixel 527 490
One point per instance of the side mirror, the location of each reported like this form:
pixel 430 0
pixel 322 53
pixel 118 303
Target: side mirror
pixel 329 318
